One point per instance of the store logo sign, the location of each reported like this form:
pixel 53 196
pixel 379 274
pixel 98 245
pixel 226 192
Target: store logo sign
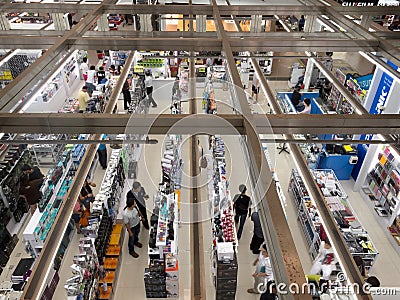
pixel 378 105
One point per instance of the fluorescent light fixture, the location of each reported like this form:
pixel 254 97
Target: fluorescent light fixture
pixel 322 23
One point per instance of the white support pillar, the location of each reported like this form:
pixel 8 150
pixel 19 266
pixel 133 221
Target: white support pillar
pixel 255 23
pixel 201 23
pixel 60 21
pixel 145 23
pixel 4 23
pixel 308 74
pixel 102 23
pixel 310 24
pixel 366 21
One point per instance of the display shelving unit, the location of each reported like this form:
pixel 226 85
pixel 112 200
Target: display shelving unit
pixel 162 277
pixel 307 214
pixel 356 237
pixel 224 260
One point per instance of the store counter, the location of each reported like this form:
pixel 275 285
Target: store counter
pixel 342 165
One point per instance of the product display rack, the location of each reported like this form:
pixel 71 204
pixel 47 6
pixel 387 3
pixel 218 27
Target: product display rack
pixel 161 278
pixel 286 104
pixel 383 182
pixel 307 213
pixel 354 234
pixel 46 154
pixel 336 99
pixel 15 64
pixel 106 234
pixel 54 188
pixel 13 206
pixel 224 267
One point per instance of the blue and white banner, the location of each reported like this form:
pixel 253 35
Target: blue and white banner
pixel 381 95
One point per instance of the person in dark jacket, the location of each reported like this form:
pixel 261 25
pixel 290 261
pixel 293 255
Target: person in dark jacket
pixel 241 204
pixel 140 195
pixel 258 237
pixel 29 185
pixel 296 96
pixel 127 94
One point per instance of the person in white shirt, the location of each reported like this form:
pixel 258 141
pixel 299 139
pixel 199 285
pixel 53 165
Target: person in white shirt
pixel 255 87
pixel 148 82
pixel 131 217
pixel 263 273
pixel 91 75
pixel 325 261
pixel 307 107
pixel 84 68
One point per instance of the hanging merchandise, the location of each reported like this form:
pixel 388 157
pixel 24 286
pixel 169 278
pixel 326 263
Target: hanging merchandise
pixel 354 234
pixel 225 266
pixel 162 277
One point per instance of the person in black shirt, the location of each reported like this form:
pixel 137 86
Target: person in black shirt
pixel 241 205
pixel 127 94
pixel 29 185
pixel 140 195
pixel 101 74
pixel 271 292
pixel 258 237
pixel 296 96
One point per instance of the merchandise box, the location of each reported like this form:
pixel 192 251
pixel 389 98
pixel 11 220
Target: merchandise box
pixel 225 251
pixel 172 267
pixel 226 284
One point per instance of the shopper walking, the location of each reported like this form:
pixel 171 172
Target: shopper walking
pixel 255 87
pixel 325 261
pixel 241 206
pixel 263 273
pixel 127 94
pixel 131 218
pixel 84 67
pixel 76 216
pixel 301 23
pixel 29 185
pixel 91 77
pixel 140 195
pixel 148 82
pixel 258 237
pixel 102 153
pixel 83 99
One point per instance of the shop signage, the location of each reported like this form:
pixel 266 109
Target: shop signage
pixel 370 3
pixel 381 94
pixel 364 81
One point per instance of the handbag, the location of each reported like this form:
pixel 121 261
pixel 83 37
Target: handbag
pixel 203 160
pixel 84 218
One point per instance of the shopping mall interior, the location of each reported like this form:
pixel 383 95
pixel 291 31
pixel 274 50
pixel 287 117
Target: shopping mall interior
pixel 195 149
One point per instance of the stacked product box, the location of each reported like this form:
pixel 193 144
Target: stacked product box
pixel 172 276
pixel 154 279
pixel 226 280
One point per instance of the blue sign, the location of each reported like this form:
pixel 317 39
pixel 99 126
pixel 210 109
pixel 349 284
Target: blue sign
pixel 381 94
pixel 365 81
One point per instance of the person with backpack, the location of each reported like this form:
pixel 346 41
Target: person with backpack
pixel 241 206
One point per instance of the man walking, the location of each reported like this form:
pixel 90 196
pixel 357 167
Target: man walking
pixel 241 204
pixel 258 237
